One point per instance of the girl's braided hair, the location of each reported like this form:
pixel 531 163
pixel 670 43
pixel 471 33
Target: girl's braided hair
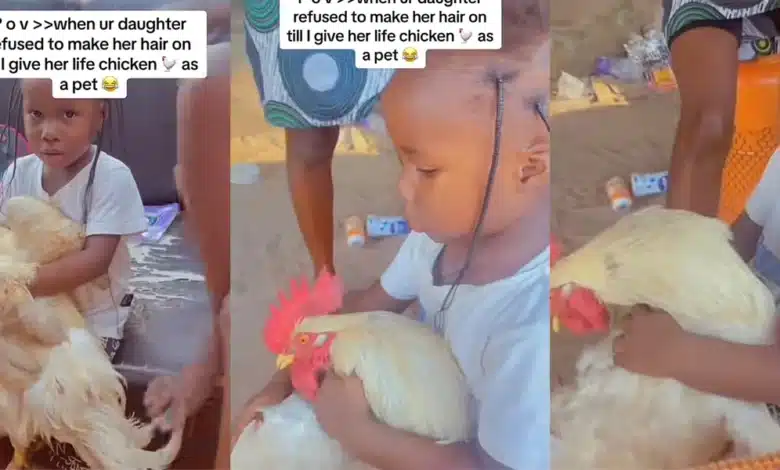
pixel 112 118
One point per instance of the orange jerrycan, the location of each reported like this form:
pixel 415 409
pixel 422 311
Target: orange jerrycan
pixel 756 134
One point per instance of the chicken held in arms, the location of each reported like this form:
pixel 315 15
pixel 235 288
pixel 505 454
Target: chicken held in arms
pixel 411 379
pixel 612 419
pixel 78 398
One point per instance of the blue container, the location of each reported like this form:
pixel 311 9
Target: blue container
pixel 379 227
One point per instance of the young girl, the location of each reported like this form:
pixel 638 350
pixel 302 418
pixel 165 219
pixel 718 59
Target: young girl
pixel 68 168
pixel 471 135
pixel 707 38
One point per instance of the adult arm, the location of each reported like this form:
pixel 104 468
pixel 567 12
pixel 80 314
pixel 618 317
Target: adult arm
pixel 203 108
pixel 705 67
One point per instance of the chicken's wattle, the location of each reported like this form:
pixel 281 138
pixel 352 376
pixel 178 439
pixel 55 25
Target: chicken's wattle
pixel 579 310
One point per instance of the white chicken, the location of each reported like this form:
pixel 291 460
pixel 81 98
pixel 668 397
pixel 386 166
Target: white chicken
pixel 411 380
pixel 78 398
pixel 612 419
pixel 168 63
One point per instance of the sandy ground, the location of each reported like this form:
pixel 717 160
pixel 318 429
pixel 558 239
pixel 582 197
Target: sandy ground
pixel 589 147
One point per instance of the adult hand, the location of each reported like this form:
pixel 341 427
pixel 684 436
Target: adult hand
pixel 171 400
pixel 341 406
pixel 651 343
pixel 180 397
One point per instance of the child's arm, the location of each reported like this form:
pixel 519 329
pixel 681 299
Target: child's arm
pixel 344 414
pixel 116 210
pixel 654 344
pixel 750 373
pixel 746 236
pixel 387 448
pixel 74 270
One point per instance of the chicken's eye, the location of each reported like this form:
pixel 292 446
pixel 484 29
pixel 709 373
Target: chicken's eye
pixel 303 339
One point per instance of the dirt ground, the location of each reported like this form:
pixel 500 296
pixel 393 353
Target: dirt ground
pixel 589 147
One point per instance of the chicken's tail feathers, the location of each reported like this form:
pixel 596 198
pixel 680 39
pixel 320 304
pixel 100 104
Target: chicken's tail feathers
pixel 117 443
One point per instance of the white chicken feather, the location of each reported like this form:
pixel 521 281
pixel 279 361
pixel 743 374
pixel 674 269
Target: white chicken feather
pixel 411 380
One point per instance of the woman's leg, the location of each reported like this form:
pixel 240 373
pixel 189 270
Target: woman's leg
pixel 309 173
pixel 705 65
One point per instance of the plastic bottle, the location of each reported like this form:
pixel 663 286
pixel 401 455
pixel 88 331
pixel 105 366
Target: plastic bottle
pixel 356 231
pixel 619 195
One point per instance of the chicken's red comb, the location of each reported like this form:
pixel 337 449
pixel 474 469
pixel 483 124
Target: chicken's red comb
pixel 322 298
pixel 580 310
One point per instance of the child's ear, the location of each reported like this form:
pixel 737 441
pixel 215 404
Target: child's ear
pixel 532 162
pixel 533 166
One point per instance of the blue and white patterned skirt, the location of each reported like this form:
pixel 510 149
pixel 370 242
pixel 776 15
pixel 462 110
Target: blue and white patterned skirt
pixel 307 88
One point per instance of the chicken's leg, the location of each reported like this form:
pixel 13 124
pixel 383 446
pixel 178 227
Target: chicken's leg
pixel 19 461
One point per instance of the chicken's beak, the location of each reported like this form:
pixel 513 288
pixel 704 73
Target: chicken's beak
pixel 283 361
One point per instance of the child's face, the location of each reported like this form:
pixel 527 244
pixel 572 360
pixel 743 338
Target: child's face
pixel 60 131
pixel 442 124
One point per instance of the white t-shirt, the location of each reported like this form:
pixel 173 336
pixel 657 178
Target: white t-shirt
pixel 763 208
pixel 500 335
pixel 116 209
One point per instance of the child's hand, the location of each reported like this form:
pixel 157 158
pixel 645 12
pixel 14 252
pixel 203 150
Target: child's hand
pixel 341 407
pixel 272 394
pixel 651 343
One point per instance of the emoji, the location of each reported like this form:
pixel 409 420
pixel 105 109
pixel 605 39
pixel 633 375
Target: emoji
pixel 168 63
pixel 409 54
pixel 465 35
pixel 110 83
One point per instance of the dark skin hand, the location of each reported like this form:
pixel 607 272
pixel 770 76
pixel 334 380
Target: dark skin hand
pixel 77 269
pixel 746 236
pixel 344 414
pixel 706 65
pixel 655 345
